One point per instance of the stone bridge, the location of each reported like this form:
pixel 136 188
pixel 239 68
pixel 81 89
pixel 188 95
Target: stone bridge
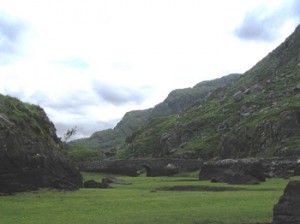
pixel 134 167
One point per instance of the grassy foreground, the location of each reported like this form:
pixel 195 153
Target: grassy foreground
pixel 140 203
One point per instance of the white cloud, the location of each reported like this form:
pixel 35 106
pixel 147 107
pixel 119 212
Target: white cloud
pixel 265 21
pixel 89 62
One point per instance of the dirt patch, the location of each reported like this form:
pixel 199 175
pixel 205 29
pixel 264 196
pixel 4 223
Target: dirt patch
pixel 199 188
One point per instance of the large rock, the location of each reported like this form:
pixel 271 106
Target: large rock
pixel 95 184
pixel 233 171
pixel 287 211
pixel 238 96
pixel 30 156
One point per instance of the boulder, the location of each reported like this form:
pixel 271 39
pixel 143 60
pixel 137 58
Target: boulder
pixel 256 89
pixel 95 184
pixel 233 171
pixel 238 96
pixel 30 151
pixel 287 210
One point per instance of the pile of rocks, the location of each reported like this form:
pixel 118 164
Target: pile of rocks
pixel 280 168
pixel 233 171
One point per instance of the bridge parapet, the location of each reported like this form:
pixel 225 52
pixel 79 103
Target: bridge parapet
pixel 131 167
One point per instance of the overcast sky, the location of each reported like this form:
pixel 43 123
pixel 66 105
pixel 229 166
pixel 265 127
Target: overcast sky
pixel 88 62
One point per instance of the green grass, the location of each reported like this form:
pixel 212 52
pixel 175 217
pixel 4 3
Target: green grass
pixel 141 203
pixel 81 153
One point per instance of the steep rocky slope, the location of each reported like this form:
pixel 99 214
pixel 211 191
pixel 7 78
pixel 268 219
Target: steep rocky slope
pixel 176 101
pixel 30 150
pixel 257 115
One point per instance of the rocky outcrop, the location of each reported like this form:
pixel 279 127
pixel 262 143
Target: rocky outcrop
pixel 232 171
pixel 274 133
pixel 287 211
pixel 279 168
pixel 95 184
pixel 30 156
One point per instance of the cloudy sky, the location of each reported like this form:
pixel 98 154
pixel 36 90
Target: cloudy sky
pixel 88 62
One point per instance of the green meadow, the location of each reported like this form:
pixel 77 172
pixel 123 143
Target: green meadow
pixel 142 202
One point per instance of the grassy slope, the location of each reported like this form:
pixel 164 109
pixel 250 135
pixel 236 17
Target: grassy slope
pixel 24 115
pixel 106 139
pixel 137 203
pixel 176 101
pixel 30 120
pixel 221 123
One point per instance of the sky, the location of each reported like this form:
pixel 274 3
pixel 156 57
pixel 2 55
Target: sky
pixel 89 62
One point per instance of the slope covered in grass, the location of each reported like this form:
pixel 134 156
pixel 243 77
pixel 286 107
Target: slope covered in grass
pixel 256 115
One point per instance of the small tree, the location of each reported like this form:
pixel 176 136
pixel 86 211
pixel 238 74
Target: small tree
pixel 71 132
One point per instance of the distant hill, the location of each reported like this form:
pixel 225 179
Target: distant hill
pixel 258 114
pixel 176 101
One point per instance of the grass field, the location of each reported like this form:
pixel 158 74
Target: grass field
pixel 141 203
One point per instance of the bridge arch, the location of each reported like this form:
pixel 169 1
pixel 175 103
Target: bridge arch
pixel 144 168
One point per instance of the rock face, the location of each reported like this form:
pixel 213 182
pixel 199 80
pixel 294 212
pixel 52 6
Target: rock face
pixel 287 211
pixel 232 171
pixel 30 156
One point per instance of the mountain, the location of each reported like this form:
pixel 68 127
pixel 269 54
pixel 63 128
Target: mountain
pixel 30 151
pixel 256 115
pixel 107 139
pixel 180 99
pixel 176 101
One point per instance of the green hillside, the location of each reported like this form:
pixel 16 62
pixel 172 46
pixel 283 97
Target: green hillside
pixel 176 101
pixel 107 139
pixel 257 115
pixel 30 119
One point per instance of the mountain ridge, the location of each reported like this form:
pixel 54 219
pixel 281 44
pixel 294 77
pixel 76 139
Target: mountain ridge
pixel 177 100
pixel 256 115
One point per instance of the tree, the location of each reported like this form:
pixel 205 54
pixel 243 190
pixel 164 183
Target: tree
pixel 71 132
